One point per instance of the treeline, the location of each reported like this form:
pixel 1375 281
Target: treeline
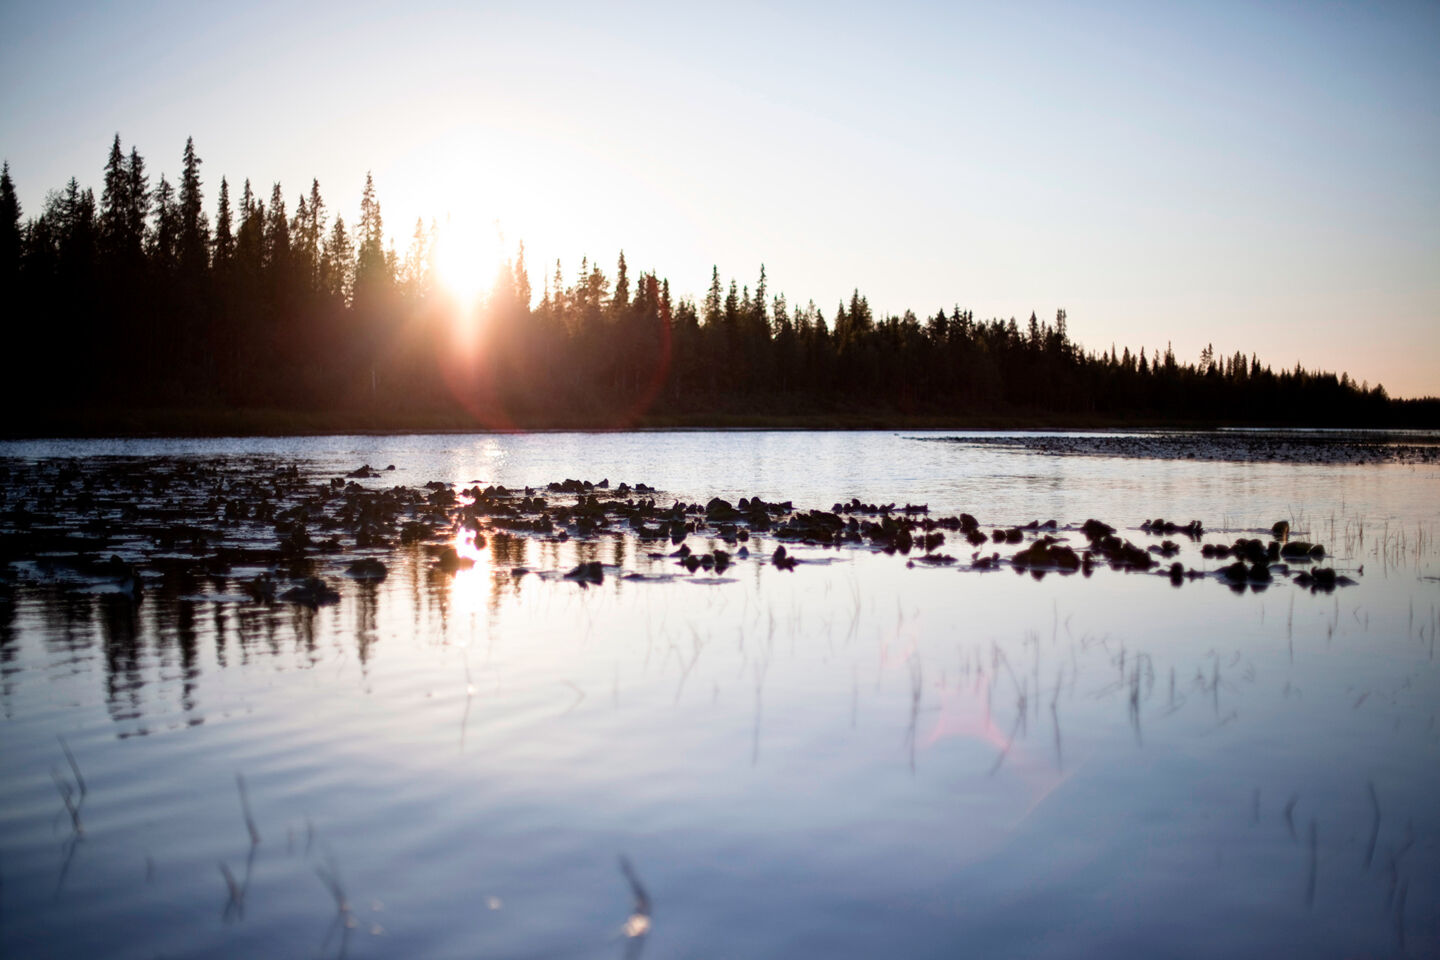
pixel 143 300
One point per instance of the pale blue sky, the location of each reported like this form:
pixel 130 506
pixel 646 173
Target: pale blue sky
pixel 1265 176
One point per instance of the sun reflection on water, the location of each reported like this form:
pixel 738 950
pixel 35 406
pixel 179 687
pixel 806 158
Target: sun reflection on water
pixel 470 584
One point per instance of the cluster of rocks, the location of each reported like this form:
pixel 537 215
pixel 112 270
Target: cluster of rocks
pixel 275 530
pixel 1161 527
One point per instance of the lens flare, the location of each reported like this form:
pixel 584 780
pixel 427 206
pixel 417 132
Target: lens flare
pixel 467 257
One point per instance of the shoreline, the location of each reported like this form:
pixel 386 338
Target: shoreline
pixel 178 424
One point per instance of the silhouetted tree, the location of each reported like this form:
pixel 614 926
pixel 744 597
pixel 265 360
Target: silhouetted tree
pixel 621 299
pixel 370 267
pixel 165 236
pixel 194 241
pixel 224 248
pixel 9 233
pixel 297 312
pixel 337 265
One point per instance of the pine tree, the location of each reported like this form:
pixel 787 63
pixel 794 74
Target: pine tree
pixel 115 204
pixel 413 272
pixel 298 253
pixel 277 232
pixel 581 290
pixel 9 231
pixel 522 281
pixel 557 291
pixel 313 234
pixel 124 207
pixel 224 230
pixel 758 305
pixel 337 264
pixel 250 238
pixel 711 314
pixel 165 238
pixel 621 300
pixel 781 314
pixel 371 267
pixel 844 331
pixel 862 321
pixel 139 212
pixel 194 242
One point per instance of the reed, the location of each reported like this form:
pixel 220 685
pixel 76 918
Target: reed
pixel 637 925
pixel 67 794
pixel 344 921
pixel 74 765
pixel 245 810
pixel 235 905
pixel 917 688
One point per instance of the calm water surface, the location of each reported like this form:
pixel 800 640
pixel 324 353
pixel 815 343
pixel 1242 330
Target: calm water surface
pixel 856 758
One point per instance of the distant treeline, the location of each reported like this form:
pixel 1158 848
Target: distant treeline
pixel 141 300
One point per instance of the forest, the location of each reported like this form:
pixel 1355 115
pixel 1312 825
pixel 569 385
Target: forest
pixel 128 308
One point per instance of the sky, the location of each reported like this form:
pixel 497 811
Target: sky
pixel 1260 176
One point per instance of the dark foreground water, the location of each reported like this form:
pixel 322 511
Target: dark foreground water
pixel 858 757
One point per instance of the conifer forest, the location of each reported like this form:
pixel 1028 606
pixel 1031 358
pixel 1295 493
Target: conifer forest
pixel 160 295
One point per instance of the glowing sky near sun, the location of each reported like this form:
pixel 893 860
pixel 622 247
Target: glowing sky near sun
pixel 1259 176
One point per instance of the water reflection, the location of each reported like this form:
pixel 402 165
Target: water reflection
pixel 168 634
pixel 124 680
pixel 9 645
pixel 989 754
pixel 367 603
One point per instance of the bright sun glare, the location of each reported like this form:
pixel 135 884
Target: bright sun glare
pixel 467 256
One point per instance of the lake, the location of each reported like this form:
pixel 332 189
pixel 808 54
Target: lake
pixel 872 753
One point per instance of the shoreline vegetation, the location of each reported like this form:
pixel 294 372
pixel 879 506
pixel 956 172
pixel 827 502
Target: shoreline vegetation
pixel 145 316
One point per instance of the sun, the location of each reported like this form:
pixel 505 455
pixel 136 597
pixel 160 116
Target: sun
pixel 468 254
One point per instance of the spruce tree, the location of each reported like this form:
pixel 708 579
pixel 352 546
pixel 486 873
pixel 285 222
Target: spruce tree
pixel 759 305
pixel 522 281
pixel 115 204
pixel 370 266
pixel 224 229
pixel 194 240
pixel 337 265
pixel 165 238
pixel 9 232
pixel 277 232
pixel 314 233
pixel 621 299
pixel 712 298
pixel 412 273
pixel 557 291
pixel 138 213
pixel 250 238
